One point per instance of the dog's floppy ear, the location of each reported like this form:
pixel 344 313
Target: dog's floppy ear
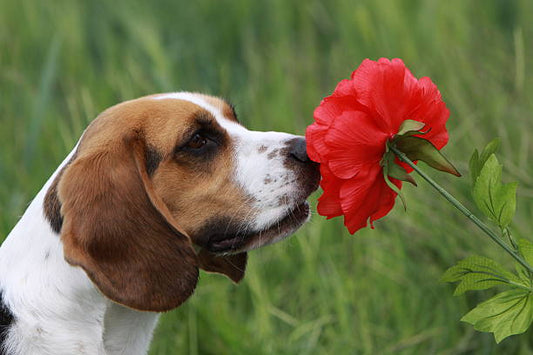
pixel 121 233
pixel 233 266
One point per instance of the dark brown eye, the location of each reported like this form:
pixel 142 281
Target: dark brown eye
pixel 197 141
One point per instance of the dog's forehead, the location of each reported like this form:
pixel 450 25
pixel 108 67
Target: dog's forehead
pixel 225 117
pixel 221 110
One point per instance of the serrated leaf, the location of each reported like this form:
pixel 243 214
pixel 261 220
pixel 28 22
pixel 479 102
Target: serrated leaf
pixel 525 247
pixel 417 148
pixel 523 274
pixel 496 200
pixel 507 204
pixel 478 160
pixel 474 167
pixel 491 148
pixel 479 273
pixel 505 314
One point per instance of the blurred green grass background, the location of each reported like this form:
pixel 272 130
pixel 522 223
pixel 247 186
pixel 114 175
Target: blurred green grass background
pixel 322 291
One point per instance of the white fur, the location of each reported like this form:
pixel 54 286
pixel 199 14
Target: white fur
pixel 57 308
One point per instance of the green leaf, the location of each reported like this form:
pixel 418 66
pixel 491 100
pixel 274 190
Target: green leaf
pixel 477 161
pixel 525 247
pixel 496 200
pixel 491 148
pixel 479 273
pixel 417 148
pixel 474 166
pixel 505 314
pixel 523 275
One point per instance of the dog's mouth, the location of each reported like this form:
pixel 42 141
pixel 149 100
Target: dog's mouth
pixel 226 238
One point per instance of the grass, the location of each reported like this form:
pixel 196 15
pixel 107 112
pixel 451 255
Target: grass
pixel 322 291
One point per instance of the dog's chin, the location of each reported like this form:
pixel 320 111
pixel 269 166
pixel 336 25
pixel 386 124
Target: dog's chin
pixel 234 240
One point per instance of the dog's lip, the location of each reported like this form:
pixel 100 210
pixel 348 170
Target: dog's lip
pixel 286 225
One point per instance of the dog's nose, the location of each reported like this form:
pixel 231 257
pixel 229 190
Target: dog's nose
pixel 298 150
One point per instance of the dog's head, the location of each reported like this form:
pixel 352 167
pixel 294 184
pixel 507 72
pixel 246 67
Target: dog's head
pixel 166 184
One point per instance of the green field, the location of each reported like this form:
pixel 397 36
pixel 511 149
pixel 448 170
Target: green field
pixel 322 291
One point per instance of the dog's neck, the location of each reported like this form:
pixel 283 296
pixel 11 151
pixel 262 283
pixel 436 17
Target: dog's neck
pixel 54 305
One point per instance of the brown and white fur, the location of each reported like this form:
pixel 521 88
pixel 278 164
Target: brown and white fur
pixel 156 189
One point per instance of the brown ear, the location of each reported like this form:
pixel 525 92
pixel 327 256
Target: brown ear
pixel 121 233
pixel 233 266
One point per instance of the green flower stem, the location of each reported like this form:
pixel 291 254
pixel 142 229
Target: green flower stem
pixel 462 208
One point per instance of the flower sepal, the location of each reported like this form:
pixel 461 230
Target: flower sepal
pixel 418 148
pixel 410 127
pixel 395 171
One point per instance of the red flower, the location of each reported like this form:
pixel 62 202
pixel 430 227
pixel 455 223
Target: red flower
pixel 350 132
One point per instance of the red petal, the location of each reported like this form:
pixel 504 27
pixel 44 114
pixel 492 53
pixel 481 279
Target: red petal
pixel 314 136
pixel 424 104
pixel 329 203
pixel 345 88
pixel 333 106
pixel 353 140
pixel 380 87
pixel 327 112
pixel 366 197
pixel 387 197
pixel 354 191
pixel 393 94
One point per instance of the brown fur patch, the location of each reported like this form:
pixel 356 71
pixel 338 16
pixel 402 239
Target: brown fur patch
pixel 229 112
pixel 225 107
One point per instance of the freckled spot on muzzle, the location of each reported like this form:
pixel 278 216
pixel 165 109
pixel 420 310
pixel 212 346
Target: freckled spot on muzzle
pixel 273 154
pixel 267 180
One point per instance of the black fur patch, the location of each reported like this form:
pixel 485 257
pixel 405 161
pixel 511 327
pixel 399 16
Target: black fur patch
pixel 52 205
pixel 232 106
pixel 6 319
pixel 152 159
pixel 219 229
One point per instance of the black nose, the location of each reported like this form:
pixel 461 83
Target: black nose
pixel 298 150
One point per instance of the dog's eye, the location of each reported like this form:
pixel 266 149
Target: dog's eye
pixel 197 141
pixel 201 144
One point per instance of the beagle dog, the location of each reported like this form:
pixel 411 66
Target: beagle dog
pixel 156 189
